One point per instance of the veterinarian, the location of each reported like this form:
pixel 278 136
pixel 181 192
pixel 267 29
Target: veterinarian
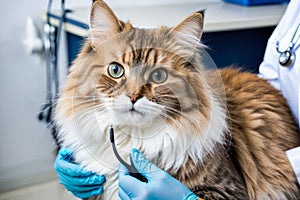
pixel 281 66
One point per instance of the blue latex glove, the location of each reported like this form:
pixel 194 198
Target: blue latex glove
pixel 160 186
pixel 81 183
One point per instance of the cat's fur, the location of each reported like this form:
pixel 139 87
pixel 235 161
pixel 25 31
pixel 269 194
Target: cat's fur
pixel 222 133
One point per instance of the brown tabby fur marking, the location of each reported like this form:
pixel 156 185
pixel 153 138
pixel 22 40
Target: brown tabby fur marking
pixel 248 163
pixel 261 129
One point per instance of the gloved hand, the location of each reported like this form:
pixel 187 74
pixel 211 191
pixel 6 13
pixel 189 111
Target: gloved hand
pixel 81 183
pixel 160 186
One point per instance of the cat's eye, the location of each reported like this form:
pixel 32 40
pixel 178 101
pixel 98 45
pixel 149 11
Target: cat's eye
pixel 159 76
pixel 115 70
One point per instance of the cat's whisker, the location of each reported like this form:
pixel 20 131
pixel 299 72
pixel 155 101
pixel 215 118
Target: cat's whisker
pixel 79 96
pixel 183 115
pixel 162 113
pixel 161 110
pixel 75 104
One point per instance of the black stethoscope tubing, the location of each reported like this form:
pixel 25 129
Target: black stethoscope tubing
pixel 131 168
pixel 52 76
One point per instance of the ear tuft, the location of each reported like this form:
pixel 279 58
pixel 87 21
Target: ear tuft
pixel 202 12
pixel 191 28
pixel 103 23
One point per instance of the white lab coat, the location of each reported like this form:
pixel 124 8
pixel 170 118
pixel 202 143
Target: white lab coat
pixel 286 79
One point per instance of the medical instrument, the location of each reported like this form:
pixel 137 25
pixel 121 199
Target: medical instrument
pixel 51 42
pixel 287 57
pixel 132 170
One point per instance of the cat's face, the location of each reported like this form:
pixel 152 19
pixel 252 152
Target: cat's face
pixel 140 74
pixel 143 75
pixel 140 84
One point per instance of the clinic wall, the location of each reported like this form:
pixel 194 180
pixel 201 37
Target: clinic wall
pixel 27 150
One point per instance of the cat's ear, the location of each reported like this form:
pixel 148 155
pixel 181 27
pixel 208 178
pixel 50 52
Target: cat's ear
pixel 103 23
pixel 191 28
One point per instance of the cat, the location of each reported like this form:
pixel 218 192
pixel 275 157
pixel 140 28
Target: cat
pixel 223 133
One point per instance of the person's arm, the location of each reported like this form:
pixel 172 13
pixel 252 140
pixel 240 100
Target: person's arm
pixel 160 185
pixel 81 183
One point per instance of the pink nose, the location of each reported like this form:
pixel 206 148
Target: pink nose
pixel 134 98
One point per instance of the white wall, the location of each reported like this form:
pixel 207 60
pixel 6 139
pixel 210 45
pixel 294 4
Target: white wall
pixel 27 149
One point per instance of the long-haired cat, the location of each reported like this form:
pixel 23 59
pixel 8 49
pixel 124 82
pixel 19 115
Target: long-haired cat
pixel 222 133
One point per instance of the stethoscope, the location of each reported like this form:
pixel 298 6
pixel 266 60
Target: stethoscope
pixel 51 43
pixel 287 57
pixel 131 168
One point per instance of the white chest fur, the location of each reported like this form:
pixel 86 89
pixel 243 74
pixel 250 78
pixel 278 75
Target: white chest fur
pixel 167 145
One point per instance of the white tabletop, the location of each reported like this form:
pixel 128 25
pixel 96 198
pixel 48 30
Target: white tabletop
pixel 219 16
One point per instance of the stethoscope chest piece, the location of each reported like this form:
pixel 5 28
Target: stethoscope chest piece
pixel 286 58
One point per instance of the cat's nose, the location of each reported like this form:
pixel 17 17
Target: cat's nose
pixel 134 97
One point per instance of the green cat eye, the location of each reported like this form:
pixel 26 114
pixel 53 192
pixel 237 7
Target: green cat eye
pixel 115 70
pixel 159 76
